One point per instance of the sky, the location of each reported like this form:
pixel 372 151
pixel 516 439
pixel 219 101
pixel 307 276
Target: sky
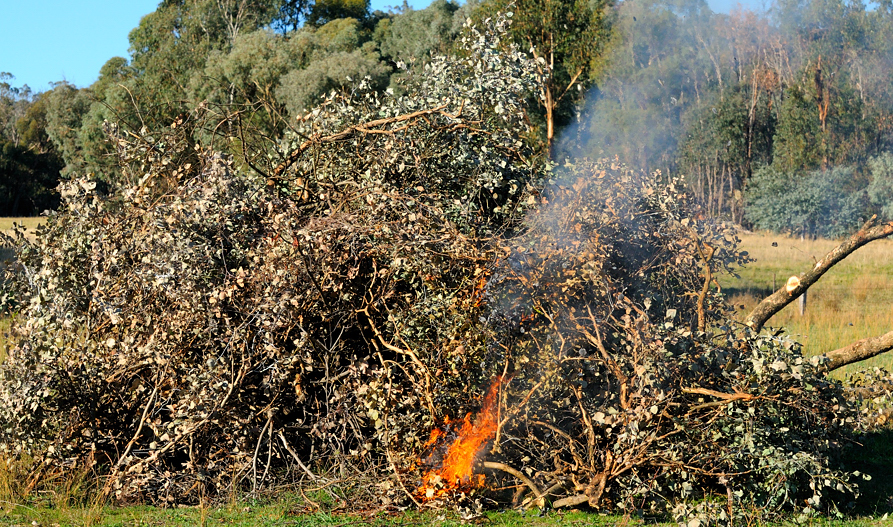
pixel 46 41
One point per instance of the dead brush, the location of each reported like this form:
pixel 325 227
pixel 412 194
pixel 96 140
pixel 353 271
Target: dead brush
pixel 13 481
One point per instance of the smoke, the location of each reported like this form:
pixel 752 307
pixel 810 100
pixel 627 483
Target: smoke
pixel 656 71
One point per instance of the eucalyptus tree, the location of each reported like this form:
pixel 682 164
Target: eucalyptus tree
pixel 322 12
pixel 568 39
pixel 14 102
pixel 66 108
pixel 29 164
pixel 413 35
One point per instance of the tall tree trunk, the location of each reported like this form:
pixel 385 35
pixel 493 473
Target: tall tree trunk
pixel 550 121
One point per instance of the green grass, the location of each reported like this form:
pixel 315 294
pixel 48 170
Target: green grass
pixel 286 513
pixel 852 301
pixel 293 514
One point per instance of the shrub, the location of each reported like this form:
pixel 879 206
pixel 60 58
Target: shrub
pixel 819 203
pixel 880 190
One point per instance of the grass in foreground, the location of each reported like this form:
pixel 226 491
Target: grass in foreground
pixel 854 300
pixel 286 513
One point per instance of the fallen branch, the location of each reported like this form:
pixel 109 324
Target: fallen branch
pixel 775 302
pixel 517 473
pixel 570 501
pixel 858 351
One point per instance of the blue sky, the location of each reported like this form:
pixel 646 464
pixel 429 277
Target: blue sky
pixel 44 41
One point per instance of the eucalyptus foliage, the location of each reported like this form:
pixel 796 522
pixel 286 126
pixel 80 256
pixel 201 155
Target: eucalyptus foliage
pixel 818 203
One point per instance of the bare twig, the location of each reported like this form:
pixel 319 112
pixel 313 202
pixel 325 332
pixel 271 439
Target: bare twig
pixel 294 454
pixel 706 257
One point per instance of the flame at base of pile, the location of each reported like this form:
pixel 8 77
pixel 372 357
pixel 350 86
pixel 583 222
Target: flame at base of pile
pixel 456 471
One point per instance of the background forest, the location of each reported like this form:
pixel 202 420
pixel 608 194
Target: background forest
pixel 778 120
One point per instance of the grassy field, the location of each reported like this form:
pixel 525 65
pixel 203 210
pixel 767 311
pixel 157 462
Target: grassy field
pixel 30 223
pixel 6 224
pixel 853 300
pixel 293 513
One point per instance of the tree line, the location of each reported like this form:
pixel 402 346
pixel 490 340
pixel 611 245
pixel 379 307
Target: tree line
pixel 780 119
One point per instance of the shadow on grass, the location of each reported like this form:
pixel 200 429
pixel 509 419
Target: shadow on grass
pixel 758 293
pixel 873 456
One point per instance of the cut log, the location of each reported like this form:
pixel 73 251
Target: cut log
pixel 796 286
pixel 859 351
pixel 775 302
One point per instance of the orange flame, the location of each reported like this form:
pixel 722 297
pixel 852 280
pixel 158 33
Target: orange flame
pixel 457 470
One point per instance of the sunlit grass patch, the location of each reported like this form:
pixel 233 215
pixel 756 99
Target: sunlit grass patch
pixel 30 223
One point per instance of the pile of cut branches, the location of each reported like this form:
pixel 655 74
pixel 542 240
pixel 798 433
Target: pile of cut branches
pixel 221 324
pixel 630 384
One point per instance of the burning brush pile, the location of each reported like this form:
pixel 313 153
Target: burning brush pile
pixel 454 449
pixel 398 271
pixel 621 381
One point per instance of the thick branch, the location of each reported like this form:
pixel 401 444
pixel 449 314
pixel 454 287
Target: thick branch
pixel 571 501
pixel 517 473
pixel 779 299
pixel 859 351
